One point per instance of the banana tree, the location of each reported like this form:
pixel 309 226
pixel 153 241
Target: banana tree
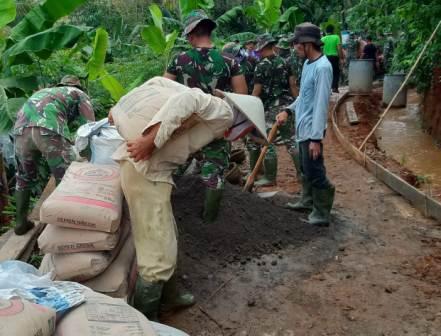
pixel 157 39
pixel 266 13
pixel 186 6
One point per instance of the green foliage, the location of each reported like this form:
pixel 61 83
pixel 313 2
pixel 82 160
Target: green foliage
pixel 186 6
pixel 95 66
pixel 331 22
pixel 43 16
pixel 7 12
pixel 411 22
pixel 289 20
pixel 266 13
pixel 43 44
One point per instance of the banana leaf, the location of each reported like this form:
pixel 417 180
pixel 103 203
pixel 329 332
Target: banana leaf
pixel 43 16
pixel 156 15
pixel 155 39
pixel 7 12
pixel 25 84
pixel 8 110
pixel 43 43
pixel 231 16
pixel 187 6
pixel 112 85
pixel 95 66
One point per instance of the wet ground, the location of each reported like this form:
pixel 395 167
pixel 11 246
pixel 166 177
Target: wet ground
pixel 402 137
pixel 375 271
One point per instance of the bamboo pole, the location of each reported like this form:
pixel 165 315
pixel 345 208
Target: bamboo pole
pixel 401 87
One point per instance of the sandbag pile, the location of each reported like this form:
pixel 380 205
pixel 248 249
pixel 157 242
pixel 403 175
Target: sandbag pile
pixel 87 233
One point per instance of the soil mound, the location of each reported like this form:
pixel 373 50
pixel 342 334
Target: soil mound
pixel 247 226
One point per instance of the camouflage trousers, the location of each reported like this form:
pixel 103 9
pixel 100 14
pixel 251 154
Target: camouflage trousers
pixel 213 160
pixel 285 135
pixel 37 142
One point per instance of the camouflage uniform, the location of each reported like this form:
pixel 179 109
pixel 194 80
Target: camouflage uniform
pixel 273 74
pixel 247 63
pixel 42 129
pixel 388 53
pixel 351 54
pixel 207 69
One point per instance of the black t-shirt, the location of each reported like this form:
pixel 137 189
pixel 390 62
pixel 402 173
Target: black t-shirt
pixel 370 51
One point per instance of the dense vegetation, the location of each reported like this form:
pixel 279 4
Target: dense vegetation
pixel 114 45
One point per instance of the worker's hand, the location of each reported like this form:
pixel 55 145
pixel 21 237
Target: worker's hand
pixel 314 150
pixel 142 148
pixel 281 118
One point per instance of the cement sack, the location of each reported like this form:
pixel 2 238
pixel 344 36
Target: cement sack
pixel 57 239
pixel 82 266
pixel 19 317
pixel 104 316
pixel 89 197
pixel 114 281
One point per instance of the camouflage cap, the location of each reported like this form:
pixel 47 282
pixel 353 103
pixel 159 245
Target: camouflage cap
pixel 70 80
pixel 284 43
pixel 264 40
pixel 231 48
pixel 194 18
pixel 307 32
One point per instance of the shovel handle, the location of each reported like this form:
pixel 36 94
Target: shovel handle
pixel 252 177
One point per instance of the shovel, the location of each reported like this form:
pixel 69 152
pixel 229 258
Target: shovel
pixel 252 176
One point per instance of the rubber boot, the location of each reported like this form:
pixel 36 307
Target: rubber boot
pixel 305 201
pixel 270 165
pixel 173 299
pixel 212 202
pixel 322 200
pixel 23 225
pixel 295 157
pixel 147 298
pixel 254 156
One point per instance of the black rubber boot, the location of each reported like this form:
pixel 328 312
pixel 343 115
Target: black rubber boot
pixel 147 298
pixel 322 200
pixel 173 299
pixel 23 225
pixel 305 201
pixel 212 202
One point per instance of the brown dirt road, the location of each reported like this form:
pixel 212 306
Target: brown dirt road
pixel 375 271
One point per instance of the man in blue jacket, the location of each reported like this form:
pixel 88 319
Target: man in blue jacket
pixel 311 115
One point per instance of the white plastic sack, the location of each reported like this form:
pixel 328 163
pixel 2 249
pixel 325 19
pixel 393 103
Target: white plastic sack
pixel 23 280
pixel 85 131
pixel 104 144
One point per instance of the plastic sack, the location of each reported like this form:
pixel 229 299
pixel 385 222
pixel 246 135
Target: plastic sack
pixel 23 280
pixel 104 144
pixel 103 138
pixel 163 330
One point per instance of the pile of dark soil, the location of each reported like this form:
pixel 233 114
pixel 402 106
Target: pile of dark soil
pixel 247 226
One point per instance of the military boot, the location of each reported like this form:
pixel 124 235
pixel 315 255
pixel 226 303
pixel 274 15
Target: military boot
pixel 23 225
pixel 173 299
pixel 212 202
pixel 147 298
pixel 305 201
pixel 322 200
pixel 270 166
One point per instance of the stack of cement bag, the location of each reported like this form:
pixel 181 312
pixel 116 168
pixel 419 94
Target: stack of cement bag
pixel 87 238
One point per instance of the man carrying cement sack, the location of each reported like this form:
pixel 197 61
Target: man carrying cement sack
pixel 163 123
pixel 42 130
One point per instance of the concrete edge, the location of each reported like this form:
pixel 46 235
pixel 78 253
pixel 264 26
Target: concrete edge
pixel 428 206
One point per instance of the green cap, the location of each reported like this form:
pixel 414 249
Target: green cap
pixel 70 80
pixel 284 43
pixel 231 48
pixel 194 18
pixel 264 40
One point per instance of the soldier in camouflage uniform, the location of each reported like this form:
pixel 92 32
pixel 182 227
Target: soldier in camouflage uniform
pixel 275 85
pixel 351 53
pixel 247 63
pixel 204 67
pixel 388 52
pixel 42 130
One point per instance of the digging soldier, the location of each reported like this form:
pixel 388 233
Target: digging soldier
pixel 275 85
pixel 163 123
pixel 205 68
pixel 311 115
pixel 43 129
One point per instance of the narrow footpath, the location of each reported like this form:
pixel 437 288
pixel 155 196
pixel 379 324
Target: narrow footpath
pixel 375 271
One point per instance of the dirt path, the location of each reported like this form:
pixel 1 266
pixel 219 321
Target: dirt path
pixel 375 271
